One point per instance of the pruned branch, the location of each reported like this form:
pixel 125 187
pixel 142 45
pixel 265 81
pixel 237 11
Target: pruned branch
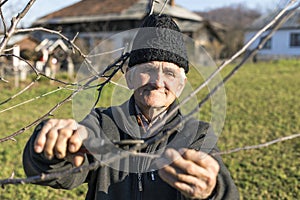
pixel 281 17
pixel 115 66
pixel 38 76
pixel 14 23
pixel 30 100
pixel 259 146
pixel 4 80
pixel 274 24
pixel 2 3
pixel 71 42
pixel 2 16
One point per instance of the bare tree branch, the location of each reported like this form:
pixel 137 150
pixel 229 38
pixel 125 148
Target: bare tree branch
pixel 2 16
pixel 276 23
pixel 19 93
pixel 4 80
pixel 2 3
pixel 276 20
pixel 278 140
pixel 14 23
pixel 252 52
pixel 163 7
pixel 58 33
pixel 115 66
pixel 30 100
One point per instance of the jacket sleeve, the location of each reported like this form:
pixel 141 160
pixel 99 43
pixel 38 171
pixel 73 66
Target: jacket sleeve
pixel 36 164
pixel 206 141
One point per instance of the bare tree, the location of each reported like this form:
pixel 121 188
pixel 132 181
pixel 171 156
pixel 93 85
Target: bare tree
pixel 111 70
pixel 235 18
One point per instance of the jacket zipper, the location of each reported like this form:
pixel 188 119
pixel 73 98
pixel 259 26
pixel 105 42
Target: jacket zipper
pixel 140 184
pixel 152 175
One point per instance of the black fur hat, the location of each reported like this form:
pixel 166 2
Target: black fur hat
pixel 159 39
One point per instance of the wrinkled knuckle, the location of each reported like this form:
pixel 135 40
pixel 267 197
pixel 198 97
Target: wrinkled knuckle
pixel 190 168
pixel 210 180
pixel 189 153
pixel 179 176
pixel 65 132
pixel 71 122
pixel 68 121
pixel 75 141
pixel 51 122
pixel 193 193
pixel 52 134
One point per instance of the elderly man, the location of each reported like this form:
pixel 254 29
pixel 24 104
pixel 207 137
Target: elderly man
pixel 182 171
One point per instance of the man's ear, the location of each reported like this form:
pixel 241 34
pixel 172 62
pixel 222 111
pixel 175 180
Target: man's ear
pixel 129 77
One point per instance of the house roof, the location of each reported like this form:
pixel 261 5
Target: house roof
pixel 50 45
pixel 102 10
pixel 292 23
pixel 24 41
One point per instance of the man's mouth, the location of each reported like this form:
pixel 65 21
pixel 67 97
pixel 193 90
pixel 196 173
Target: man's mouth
pixel 157 90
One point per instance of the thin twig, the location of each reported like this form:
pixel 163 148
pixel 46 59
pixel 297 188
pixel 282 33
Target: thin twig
pixel 24 60
pixel 14 23
pixel 107 52
pixel 221 67
pixel 2 3
pixel 96 164
pixel 278 140
pixel 164 6
pixel 2 16
pixel 71 43
pixel 18 94
pixel 252 52
pixel 48 114
pixel 30 100
pixel 38 75
pixel 70 97
pixel 58 33
pixel 4 80
pixel 151 6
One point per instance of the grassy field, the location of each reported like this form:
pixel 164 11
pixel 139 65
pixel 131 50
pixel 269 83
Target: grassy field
pixel 262 105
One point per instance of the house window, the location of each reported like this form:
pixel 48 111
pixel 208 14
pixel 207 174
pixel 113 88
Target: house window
pixel 295 40
pixel 268 44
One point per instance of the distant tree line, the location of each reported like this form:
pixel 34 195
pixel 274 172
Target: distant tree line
pixel 235 19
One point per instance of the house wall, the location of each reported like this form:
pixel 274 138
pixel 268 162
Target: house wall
pixel 280 44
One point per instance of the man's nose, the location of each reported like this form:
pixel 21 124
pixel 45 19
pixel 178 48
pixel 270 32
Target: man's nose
pixel 158 79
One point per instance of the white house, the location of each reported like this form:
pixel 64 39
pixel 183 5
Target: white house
pixel 285 42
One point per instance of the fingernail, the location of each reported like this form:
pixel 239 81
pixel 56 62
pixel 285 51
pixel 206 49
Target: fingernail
pixel 38 149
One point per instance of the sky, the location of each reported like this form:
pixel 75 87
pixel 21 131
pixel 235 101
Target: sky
pixel 43 7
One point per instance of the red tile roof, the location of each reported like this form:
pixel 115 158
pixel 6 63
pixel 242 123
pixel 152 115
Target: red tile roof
pixel 92 7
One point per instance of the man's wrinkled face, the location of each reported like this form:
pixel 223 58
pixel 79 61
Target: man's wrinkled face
pixel 156 84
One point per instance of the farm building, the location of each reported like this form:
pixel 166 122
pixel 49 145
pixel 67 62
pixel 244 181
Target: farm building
pixel 285 42
pixel 95 21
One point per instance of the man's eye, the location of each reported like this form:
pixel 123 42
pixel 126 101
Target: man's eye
pixel 170 73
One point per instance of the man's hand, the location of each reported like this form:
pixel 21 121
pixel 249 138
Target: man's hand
pixel 61 138
pixel 193 173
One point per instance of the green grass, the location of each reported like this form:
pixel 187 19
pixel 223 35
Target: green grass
pixel 262 105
